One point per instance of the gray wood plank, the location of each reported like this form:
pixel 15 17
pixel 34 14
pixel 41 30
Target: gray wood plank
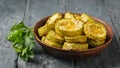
pixel 36 10
pixel 10 11
pixel 114 13
pixel 109 58
pixel 94 7
pixel 45 61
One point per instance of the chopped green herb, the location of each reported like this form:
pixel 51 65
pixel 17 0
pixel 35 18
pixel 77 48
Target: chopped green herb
pixel 22 40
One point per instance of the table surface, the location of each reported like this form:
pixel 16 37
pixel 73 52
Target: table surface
pixel 31 11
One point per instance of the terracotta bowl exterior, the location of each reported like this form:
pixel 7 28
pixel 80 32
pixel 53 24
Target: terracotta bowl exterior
pixel 68 54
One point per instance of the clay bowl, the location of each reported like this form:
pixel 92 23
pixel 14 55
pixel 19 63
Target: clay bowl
pixel 68 54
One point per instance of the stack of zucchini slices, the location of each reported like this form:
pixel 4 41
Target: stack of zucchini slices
pixel 72 31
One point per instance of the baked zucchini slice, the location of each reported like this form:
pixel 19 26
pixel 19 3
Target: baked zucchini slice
pixel 77 17
pixel 86 18
pixel 51 20
pixel 95 43
pixel 49 24
pixel 75 46
pixel 42 31
pixel 50 43
pixel 69 15
pixel 75 39
pixel 95 31
pixel 53 36
pixel 67 27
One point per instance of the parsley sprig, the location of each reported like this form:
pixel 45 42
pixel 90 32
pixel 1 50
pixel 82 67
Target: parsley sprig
pixel 22 40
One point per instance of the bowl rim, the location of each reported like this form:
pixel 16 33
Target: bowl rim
pixel 88 50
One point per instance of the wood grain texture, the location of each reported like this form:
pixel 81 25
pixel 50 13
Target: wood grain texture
pixel 31 11
pixel 114 13
pixel 10 11
pixel 94 7
pixel 36 10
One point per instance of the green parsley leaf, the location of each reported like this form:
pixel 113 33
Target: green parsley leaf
pixel 22 40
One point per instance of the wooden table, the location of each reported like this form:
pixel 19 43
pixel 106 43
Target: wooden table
pixel 31 11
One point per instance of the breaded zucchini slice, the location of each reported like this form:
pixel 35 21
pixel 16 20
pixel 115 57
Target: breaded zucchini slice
pixel 80 39
pixel 72 16
pixel 75 46
pixel 49 24
pixel 53 36
pixel 50 43
pixel 95 31
pixel 67 27
pixel 95 43
pixel 86 18
pixel 52 19
pixel 69 15
pixel 42 31
pixel 77 17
